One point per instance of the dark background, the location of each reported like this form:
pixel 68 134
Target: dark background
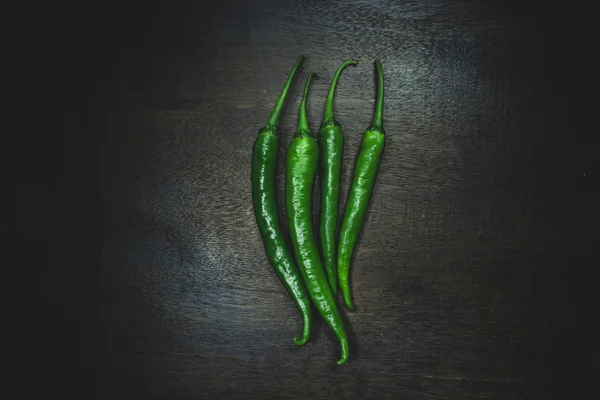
pixel 146 276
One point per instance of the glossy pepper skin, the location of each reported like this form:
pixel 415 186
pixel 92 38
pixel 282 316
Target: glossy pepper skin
pixel 302 163
pixel 361 189
pixel 264 168
pixel 331 141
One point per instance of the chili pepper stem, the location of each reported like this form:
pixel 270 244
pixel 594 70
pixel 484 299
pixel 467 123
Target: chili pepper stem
pixel 273 121
pixel 303 119
pixel 328 113
pixel 377 122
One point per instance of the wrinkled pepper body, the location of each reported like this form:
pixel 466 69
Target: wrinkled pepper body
pixel 331 141
pixel 367 165
pixel 361 189
pixel 263 172
pixel 302 164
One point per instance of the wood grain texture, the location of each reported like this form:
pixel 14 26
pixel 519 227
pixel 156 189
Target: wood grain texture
pixel 456 275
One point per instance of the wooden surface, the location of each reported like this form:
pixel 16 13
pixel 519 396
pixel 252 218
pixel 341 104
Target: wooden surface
pixel 461 273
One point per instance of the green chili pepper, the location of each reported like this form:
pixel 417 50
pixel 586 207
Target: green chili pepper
pixel 365 173
pixel 302 161
pixel 264 167
pixel 331 140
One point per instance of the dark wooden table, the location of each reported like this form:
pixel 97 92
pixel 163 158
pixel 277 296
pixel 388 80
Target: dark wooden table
pixel 463 273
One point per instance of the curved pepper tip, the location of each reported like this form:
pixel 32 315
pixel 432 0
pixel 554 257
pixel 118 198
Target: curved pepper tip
pixel 300 341
pixel 348 300
pixel 345 352
pixel 342 360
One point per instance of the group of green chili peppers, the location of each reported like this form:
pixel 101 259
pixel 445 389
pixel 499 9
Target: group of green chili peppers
pixel 315 277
